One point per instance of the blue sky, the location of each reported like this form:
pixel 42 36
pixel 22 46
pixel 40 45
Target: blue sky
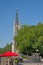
pixel 29 12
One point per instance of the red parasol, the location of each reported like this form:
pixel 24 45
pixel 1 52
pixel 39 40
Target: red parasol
pixel 9 53
pixel 0 55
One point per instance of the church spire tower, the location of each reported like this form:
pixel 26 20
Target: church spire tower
pixel 16 20
pixel 16 27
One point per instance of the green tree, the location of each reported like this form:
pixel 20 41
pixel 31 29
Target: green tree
pixel 6 48
pixel 40 46
pixel 29 38
pixel 25 38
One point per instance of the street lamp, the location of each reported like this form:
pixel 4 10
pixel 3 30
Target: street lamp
pixel 36 54
pixel 36 50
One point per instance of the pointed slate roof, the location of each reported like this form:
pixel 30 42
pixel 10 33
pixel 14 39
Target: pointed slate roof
pixel 16 20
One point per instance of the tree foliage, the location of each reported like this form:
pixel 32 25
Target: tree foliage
pixel 6 48
pixel 30 38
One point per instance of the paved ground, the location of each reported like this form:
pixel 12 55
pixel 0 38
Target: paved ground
pixel 33 64
pixel 30 63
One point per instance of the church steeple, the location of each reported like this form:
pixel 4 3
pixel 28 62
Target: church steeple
pixel 16 27
pixel 16 20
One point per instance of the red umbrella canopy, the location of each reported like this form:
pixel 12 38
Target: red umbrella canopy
pixel 9 53
pixel 0 55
